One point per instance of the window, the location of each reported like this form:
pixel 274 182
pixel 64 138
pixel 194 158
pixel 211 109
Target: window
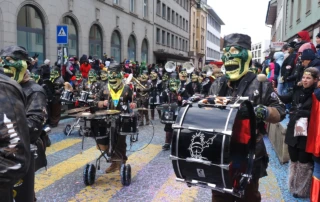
pixel 187 5
pixel 116 46
pixel 158 7
pixel 308 6
pixel 168 39
pixel 132 5
pixel 144 51
pixel 177 19
pixel 183 44
pixel 158 35
pixel 163 37
pixel 193 40
pixel 172 17
pixel 197 24
pixel 30 31
pixel 145 8
pixel 172 41
pixel 180 21
pixel 164 10
pixel 291 12
pixel 116 2
pixel 168 14
pixel 197 44
pixel 187 48
pixel 132 48
pixel 176 42
pixel 180 45
pixel 299 10
pixel 184 24
pixel 95 41
pixel 187 25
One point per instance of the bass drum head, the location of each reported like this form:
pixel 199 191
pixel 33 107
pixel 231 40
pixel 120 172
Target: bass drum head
pixel 210 155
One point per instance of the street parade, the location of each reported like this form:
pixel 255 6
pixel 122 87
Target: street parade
pixel 193 113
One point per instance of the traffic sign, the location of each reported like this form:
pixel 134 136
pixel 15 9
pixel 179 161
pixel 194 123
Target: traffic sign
pixel 62 34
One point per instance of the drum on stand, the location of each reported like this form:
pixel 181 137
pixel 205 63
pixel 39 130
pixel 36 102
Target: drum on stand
pixel 214 148
pixel 84 95
pixel 128 124
pixel 66 96
pixel 169 113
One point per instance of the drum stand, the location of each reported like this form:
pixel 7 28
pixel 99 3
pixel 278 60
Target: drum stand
pixel 69 128
pixel 89 172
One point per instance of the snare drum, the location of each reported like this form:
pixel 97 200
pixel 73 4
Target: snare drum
pixel 211 148
pixel 66 96
pixel 169 113
pixel 84 96
pixel 128 124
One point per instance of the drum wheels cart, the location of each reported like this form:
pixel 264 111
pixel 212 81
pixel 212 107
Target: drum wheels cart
pixel 69 128
pixel 114 123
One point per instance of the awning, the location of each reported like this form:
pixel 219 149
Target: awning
pixel 272 12
pixel 165 55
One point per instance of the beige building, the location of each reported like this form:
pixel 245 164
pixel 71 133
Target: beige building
pixel 198 31
pixel 171 30
pixel 122 29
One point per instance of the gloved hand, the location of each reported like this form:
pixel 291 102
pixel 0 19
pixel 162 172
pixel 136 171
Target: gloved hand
pixel 262 112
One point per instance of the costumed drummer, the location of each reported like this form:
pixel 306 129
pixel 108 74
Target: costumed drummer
pixel 114 96
pixel 142 97
pixel 238 81
pixel 155 91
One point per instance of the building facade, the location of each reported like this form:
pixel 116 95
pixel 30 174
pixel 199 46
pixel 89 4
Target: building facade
pixel 214 23
pixel 171 31
pixel 121 29
pixel 288 17
pixel 260 50
pixel 198 32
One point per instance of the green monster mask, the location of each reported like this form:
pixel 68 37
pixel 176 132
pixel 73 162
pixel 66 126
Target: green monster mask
pixel 13 61
pixel 104 75
pixel 78 76
pixel 174 85
pixel 143 67
pixel 92 77
pixel 54 74
pixel 35 77
pixel 165 77
pixel 236 55
pixel 144 77
pixel 153 76
pixel 194 78
pixel 115 79
pixel 183 75
pixel 200 79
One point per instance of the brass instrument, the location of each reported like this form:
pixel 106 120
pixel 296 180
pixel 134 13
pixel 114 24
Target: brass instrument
pixel 138 82
pixel 189 66
pixel 170 66
pixel 208 69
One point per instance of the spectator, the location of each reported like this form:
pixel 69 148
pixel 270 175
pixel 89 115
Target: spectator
pixel 83 59
pixel 84 69
pixel 287 68
pixel 279 57
pixel 318 44
pixel 70 70
pixel 45 70
pixel 304 37
pixel 76 64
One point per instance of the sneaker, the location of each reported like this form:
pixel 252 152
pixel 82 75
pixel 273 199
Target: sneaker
pixel 166 147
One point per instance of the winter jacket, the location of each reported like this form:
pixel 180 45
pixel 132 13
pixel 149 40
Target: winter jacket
pixel 45 72
pixel 305 37
pixel 270 75
pixel 84 69
pixel 279 57
pixel 301 103
pixel 289 61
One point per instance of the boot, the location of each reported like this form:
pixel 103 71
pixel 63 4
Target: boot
pixel 159 113
pixel 146 113
pixel 292 173
pixel 115 166
pixel 141 118
pixel 303 180
pixel 152 114
pixel 167 144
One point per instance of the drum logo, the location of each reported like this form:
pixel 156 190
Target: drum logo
pixel 198 144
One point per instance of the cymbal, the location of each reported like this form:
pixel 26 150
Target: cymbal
pixel 142 109
pixel 76 110
pixel 107 112
pixel 83 115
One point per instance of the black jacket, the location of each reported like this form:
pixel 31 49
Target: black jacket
pixel 12 116
pixel 301 100
pixel 45 72
pixel 247 86
pixel 289 61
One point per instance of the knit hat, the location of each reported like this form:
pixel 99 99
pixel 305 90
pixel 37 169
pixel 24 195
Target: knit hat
pixel 308 54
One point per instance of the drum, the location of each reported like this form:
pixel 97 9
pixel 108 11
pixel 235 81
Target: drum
pixel 128 124
pixel 169 113
pixel 83 96
pixel 66 96
pixel 102 121
pixel 214 148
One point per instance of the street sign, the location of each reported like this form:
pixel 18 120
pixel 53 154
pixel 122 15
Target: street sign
pixel 277 45
pixel 62 34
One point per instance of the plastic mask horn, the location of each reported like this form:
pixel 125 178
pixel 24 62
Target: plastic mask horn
pixel 183 75
pixel 14 68
pixel 114 79
pixel 174 85
pixel 236 61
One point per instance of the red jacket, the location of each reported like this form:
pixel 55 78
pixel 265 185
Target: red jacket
pixel 84 69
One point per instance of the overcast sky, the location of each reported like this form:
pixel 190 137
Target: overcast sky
pixel 243 16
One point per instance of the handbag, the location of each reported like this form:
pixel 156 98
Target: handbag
pixel 301 127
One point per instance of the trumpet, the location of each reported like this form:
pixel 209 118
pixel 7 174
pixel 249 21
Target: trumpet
pixel 138 82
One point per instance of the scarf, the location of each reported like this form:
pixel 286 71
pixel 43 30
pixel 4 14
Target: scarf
pixel 115 95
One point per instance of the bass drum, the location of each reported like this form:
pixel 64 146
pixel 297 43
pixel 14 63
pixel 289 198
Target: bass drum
pixel 214 148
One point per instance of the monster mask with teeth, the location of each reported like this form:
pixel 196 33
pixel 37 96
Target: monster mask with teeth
pixel 115 77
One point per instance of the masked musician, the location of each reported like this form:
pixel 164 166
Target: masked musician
pixel 54 105
pixel 165 80
pixel 14 146
pixel 238 81
pixel 155 91
pixel 207 79
pixel 36 117
pixel 195 85
pixel 170 96
pixel 142 96
pixel 184 86
pixel 114 95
